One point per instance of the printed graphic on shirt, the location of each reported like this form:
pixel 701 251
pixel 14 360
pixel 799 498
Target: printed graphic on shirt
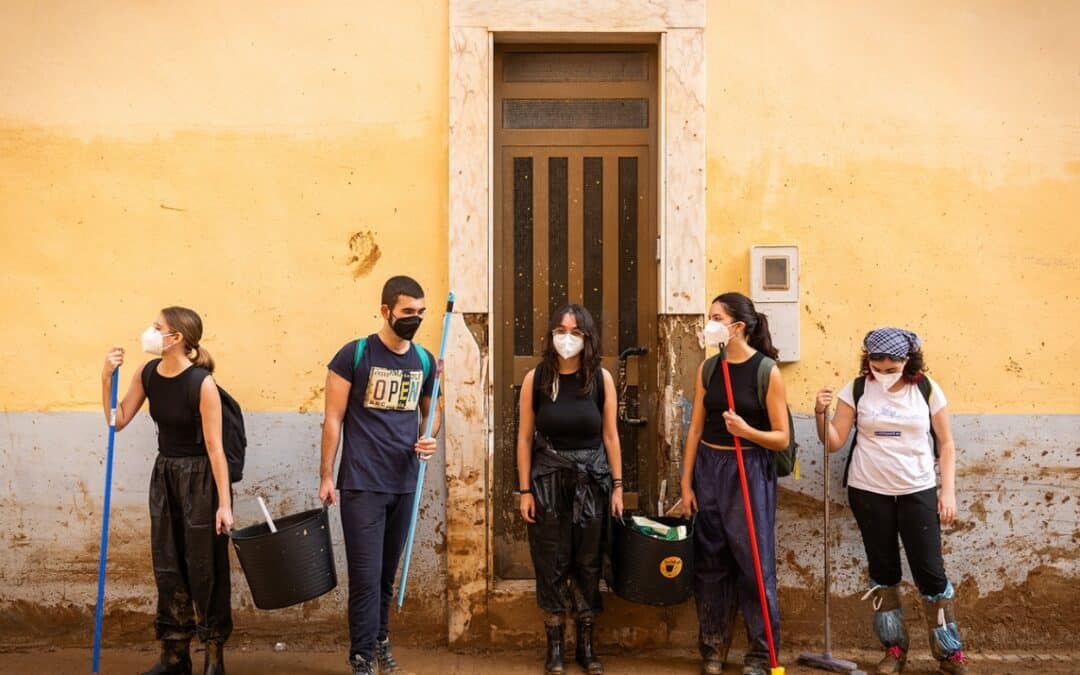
pixel 390 389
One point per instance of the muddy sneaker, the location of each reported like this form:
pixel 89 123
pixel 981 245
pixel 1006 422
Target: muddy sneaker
pixel 894 661
pixel 755 669
pixel 712 667
pixel 955 664
pixel 360 665
pixel 385 660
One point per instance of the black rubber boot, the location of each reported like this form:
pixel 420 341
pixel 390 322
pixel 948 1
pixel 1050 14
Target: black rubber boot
pixel 554 663
pixel 714 652
pixel 175 659
pixel 583 650
pixel 214 661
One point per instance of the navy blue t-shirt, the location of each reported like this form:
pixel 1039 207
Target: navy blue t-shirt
pixel 382 419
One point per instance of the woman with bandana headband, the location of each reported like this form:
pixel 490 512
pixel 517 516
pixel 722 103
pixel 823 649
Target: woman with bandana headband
pixel 725 575
pixel 899 415
pixel 570 473
pixel 190 494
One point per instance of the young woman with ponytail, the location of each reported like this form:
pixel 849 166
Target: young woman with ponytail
pixel 725 578
pixel 190 493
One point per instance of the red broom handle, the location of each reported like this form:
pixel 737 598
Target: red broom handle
pixel 749 518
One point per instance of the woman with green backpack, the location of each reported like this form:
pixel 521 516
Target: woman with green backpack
pixel 901 425
pixel 725 575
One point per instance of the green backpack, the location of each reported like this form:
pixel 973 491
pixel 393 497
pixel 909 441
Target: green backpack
pixel 783 462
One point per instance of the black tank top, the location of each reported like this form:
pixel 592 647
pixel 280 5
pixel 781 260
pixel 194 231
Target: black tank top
pixel 174 407
pixel 570 422
pixel 744 390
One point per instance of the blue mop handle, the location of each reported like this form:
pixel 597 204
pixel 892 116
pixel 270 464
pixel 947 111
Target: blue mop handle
pixel 423 464
pixel 105 524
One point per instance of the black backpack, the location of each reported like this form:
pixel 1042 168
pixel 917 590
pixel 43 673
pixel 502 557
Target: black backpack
pixel 783 462
pixel 926 388
pixel 233 436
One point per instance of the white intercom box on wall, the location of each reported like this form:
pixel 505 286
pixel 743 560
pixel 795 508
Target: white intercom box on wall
pixel 774 288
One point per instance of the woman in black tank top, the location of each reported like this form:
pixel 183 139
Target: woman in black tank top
pixel 570 478
pixel 725 578
pixel 190 493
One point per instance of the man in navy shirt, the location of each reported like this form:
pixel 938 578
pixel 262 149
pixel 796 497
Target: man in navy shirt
pixel 380 388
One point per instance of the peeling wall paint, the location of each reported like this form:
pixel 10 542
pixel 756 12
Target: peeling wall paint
pixel 50 512
pixel 681 350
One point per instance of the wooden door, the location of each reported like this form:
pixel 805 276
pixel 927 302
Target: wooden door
pixel 575 221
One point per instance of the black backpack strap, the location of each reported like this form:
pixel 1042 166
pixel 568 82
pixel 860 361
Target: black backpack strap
pixel 926 388
pixel 857 389
pixel 195 398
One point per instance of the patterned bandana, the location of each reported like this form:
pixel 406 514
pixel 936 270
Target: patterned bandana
pixel 894 342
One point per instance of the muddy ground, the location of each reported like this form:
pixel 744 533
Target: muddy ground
pixel 253 661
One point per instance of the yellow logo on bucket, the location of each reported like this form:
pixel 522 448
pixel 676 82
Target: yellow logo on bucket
pixel 671 566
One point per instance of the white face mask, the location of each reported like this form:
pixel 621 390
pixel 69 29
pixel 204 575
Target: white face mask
pixel 716 333
pixel 887 380
pixel 153 341
pixel 568 345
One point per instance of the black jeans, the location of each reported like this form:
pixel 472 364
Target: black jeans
pixel 375 525
pixel 191 561
pixel 914 518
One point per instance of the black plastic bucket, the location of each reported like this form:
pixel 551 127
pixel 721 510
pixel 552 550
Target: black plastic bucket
pixel 290 566
pixel 652 571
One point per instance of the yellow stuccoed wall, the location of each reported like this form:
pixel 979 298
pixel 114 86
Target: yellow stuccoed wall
pixel 925 158
pixel 242 159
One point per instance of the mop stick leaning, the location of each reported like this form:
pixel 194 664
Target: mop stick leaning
pixel 423 463
pixel 775 669
pixel 105 524
pixel 825 660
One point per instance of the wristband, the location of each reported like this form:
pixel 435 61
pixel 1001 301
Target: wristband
pixel 526 491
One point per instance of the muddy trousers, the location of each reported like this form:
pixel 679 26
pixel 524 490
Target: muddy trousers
pixel 568 538
pixel 375 525
pixel 724 577
pixel 191 561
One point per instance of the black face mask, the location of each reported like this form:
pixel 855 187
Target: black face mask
pixel 405 327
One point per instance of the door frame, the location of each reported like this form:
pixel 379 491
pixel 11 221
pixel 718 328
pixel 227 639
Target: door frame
pixel 677 27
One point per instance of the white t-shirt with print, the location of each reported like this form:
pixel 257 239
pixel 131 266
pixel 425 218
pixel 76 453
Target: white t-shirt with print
pixel 894 454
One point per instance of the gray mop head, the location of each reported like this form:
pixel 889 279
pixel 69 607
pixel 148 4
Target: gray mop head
pixel 827 662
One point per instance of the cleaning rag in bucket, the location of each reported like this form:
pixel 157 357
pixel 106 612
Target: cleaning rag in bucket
pixel 656 530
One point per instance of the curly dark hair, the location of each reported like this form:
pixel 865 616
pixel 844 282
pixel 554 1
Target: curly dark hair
pixel 914 369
